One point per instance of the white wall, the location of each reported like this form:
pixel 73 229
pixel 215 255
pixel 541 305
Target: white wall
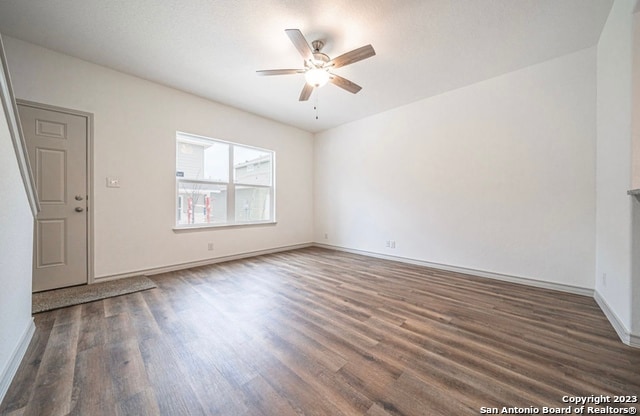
pixel 635 163
pixel 635 243
pixel 16 240
pixel 614 206
pixel 497 176
pixel 134 140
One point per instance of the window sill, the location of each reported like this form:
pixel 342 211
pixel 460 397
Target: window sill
pixel 203 227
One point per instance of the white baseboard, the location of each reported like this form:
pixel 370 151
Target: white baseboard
pixel 623 333
pixel 16 358
pixel 188 265
pixel 491 275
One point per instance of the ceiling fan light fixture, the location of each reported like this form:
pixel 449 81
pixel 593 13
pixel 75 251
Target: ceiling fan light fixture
pixel 317 77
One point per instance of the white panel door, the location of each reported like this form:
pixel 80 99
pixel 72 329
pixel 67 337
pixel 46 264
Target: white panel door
pixel 57 147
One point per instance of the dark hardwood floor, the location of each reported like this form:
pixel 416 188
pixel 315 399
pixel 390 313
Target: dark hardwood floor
pixel 320 332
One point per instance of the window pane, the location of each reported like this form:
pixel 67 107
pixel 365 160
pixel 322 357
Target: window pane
pixel 252 166
pixel 202 159
pixel 201 203
pixel 212 175
pixel 253 204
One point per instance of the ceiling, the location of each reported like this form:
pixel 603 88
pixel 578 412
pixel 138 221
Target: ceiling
pixel 212 48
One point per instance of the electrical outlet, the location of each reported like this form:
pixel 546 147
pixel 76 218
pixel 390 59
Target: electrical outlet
pixel 326 236
pixel 604 279
pixel 210 246
pixel 393 244
pixel 387 243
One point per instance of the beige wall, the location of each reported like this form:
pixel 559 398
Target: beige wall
pixel 614 207
pixel 16 240
pixel 495 177
pixel 635 159
pixel 134 140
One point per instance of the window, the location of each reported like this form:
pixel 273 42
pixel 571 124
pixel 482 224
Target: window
pixel 222 183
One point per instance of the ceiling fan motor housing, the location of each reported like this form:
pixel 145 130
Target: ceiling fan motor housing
pixel 319 59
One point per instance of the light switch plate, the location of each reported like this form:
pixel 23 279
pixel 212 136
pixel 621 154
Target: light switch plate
pixel 113 183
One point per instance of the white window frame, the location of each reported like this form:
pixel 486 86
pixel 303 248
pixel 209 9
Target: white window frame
pixel 230 184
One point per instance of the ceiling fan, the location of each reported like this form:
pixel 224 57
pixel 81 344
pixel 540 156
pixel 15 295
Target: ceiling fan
pixel 317 65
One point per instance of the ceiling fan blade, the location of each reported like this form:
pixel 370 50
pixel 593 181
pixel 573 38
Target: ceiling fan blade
pixel 345 84
pixel 306 92
pixel 355 55
pixel 300 43
pixel 279 71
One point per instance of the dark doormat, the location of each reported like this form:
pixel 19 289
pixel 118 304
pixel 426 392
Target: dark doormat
pixel 69 296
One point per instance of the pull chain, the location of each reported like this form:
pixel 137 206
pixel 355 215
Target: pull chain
pixel 315 106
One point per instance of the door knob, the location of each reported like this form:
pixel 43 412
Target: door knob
pixel 79 198
pixel 79 209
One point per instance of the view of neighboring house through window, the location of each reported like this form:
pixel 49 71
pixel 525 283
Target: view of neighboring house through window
pixel 220 183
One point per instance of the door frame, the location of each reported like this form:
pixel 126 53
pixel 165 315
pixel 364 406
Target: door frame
pixel 89 170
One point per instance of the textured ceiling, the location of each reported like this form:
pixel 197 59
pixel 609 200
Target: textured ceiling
pixel 212 48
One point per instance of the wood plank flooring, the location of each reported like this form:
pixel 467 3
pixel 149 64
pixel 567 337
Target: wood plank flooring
pixel 321 332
